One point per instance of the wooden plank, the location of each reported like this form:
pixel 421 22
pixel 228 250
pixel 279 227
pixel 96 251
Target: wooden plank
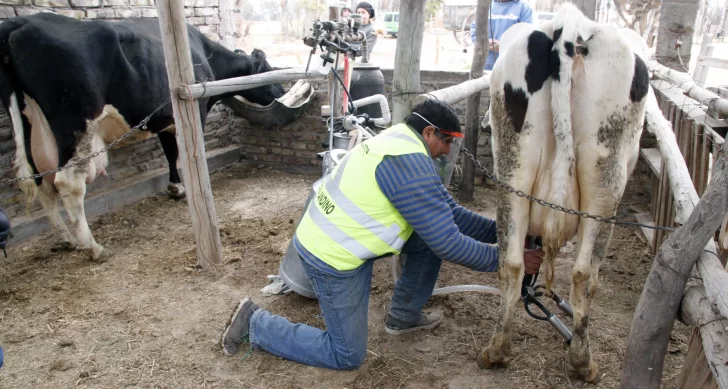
pixel 665 285
pixel 189 133
pixel 723 92
pixel 653 159
pixel 704 159
pixel 687 138
pixel 690 87
pixel 406 79
pixel 459 92
pixel 472 119
pixel 663 207
pixel 701 67
pixel 696 372
pixel 686 198
pixel 714 62
pixel 694 154
pixel 654 204
pixel 645 218
pixel 712 340
pixel 236 84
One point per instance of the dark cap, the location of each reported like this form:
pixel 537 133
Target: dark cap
pixel 367 7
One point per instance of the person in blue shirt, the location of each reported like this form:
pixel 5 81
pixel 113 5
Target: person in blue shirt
pixel 503 14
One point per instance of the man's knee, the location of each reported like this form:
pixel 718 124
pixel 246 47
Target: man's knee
pixel 352 359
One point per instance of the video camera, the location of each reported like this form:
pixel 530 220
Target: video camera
pixel 334 37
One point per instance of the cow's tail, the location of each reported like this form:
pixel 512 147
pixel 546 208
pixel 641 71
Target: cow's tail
pixel 21 164
pixel 566 32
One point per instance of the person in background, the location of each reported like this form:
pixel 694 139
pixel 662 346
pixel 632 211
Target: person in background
pixel 345 10
pixel 367 27
pixel 503 14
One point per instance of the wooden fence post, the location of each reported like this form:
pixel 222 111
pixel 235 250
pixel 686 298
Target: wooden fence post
pixel 190 140
pixel 706 51
pixel 406 78
pixel 472 121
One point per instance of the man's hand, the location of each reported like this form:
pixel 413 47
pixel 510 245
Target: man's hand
pixel 532 259
pixel 494 45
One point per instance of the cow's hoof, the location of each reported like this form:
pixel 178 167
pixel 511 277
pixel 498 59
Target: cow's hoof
pixel 63 246
pixel 176 191
pixel 100 256
pixel 588 374
pixel 488 359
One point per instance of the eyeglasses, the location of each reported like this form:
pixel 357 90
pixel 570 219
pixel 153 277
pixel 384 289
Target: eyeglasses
pixel 447 133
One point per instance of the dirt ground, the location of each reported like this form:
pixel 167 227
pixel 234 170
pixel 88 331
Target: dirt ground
pixel 147 318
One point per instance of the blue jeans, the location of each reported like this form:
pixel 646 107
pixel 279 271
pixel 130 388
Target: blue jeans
pixel 344 301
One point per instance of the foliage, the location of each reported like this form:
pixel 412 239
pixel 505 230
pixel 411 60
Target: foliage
pixel 432 7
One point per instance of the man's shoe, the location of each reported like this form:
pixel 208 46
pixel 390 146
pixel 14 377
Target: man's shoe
pixel 237 328
pixel 427 321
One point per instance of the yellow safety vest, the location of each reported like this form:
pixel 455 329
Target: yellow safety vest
pixel 350 220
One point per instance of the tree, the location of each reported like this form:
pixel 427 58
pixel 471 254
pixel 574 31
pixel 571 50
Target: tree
pixel 432 7
pixel 640 15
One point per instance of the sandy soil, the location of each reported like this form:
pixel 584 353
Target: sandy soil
pixel 148 318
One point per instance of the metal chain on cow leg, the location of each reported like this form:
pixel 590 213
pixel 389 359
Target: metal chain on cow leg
pixel 142 125
pixel 520 193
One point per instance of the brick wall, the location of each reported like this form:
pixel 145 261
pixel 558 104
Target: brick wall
pixel 204 14
pixel 293 147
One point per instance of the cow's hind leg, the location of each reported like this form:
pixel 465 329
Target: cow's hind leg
pixel 593 240
pixel 175 189
pixel 71 185
pixel 601 189
pixel 48 197
pixel 513 214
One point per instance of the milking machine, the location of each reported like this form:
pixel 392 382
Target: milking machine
pixel 530 292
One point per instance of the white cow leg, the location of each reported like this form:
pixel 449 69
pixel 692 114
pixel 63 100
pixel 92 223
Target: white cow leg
pixel 512 227
pixel 593 241
pixel 71 185
pixel 48 197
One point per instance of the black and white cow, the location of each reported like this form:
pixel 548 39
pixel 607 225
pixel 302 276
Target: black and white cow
pixel 567 110
pixel 72 87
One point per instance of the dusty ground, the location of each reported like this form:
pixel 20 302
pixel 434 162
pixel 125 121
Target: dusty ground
pixel 147 318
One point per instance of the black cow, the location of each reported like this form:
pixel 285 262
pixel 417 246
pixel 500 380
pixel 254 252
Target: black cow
pixel 72 87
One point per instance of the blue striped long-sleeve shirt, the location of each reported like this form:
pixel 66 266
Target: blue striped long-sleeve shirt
pixel 411 182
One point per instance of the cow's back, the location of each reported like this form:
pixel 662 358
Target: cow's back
pixel 51 59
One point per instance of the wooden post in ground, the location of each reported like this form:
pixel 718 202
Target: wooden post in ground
pixel 658 305
pixel 190 141
pixel 227 25
pixel 406 80
pixel 706 51
pixel 472 121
